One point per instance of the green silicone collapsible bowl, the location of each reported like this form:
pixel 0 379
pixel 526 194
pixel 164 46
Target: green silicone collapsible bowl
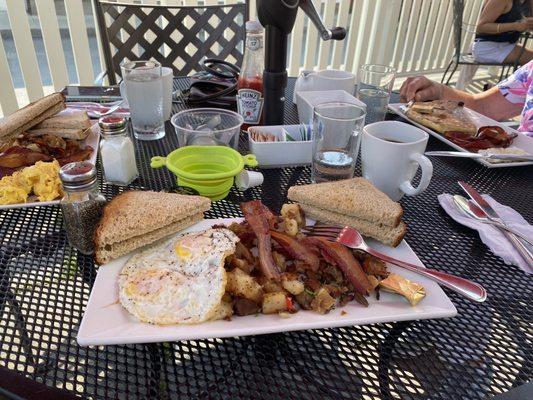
pixel 208 169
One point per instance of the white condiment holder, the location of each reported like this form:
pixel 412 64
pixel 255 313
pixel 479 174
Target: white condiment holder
pixel 281 153
pixel 307 101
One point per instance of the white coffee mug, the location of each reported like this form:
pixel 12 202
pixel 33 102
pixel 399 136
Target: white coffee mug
pixel 167 76
pixel 391 152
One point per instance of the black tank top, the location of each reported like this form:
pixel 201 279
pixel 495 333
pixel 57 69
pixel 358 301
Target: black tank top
pixel 514 15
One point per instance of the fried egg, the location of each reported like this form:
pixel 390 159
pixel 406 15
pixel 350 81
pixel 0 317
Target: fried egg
pixel 181 281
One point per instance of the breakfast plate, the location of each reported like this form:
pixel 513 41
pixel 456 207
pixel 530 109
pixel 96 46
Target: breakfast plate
pixel 522 141
pixel 106 322
pixel 91 140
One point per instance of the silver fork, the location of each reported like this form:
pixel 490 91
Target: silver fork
pixel 351 238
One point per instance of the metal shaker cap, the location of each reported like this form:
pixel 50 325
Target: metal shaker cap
pixel 112 125
pixel 77 175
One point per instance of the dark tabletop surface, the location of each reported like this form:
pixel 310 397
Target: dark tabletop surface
pixel 483 351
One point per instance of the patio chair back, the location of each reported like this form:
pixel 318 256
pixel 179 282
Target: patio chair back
pixel 467 58
pixel 458 11
pixel 178 37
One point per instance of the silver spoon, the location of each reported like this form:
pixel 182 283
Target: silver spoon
pixel 97 114
pixel 463 205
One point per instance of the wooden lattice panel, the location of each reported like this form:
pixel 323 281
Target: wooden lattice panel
pixel 177 37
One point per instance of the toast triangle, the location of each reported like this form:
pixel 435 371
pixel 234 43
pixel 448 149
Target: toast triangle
pixel 354 197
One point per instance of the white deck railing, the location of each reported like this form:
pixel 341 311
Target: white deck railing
pixel 411 35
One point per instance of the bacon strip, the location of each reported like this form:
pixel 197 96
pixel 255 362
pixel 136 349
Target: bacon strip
pixel 296 249
pixel 257 215
pixel 344 259
pixel 16 157
pixel 487 137
pixel 80 155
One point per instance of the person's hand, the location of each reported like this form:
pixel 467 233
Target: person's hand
pixel 420 88
pixel 525 24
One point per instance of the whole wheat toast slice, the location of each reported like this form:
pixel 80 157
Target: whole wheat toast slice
pixel 137 218
pixel 383 233
pixel 354 197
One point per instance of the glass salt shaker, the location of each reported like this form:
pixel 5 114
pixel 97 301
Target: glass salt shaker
pixel 116 151
pixel 82 204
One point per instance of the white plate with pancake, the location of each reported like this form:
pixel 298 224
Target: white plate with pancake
pixel 106 322
pixel 92 140
pixel 522 141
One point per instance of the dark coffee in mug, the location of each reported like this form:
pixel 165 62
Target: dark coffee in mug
pixel 392 140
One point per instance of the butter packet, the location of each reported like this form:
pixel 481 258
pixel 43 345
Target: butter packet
pixel 412 291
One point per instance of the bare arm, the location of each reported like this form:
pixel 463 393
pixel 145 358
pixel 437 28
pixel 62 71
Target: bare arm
pixel 492 9
pixel 490 103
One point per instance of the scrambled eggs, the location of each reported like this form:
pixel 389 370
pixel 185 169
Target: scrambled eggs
pixel 41 179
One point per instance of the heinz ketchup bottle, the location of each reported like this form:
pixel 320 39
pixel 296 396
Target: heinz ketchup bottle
pixel 250 84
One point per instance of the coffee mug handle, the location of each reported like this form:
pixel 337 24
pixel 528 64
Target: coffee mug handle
pixel 427 173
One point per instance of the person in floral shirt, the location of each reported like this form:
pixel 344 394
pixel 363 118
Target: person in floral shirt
pixel 511 97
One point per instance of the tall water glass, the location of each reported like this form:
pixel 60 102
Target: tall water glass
pixel 374 86
pixel 337 131
pixel 144 91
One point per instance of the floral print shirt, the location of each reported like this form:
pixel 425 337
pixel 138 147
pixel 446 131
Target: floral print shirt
pixel 518 89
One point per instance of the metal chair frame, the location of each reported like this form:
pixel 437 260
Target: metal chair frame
pixel 462 58
pixel 149 15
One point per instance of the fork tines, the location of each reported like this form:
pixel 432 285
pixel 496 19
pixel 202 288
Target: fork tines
pixel 329 231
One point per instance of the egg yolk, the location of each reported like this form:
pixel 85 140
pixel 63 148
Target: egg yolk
pixel 182 252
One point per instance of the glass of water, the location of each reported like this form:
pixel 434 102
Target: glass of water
pixel 337 131
pixel 374 87
pixel 143 84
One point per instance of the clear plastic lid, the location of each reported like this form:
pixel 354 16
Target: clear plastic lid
pixel 254 26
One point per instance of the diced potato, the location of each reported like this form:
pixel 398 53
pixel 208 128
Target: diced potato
pixel 291 227
pixel 241 264
pixel 224 310
pixel 279 259
pixel 293 211
pixel 305 299
pixel 274 302
pixel 291 284
pixel 272 287
pixel 322 302
pixel 243 285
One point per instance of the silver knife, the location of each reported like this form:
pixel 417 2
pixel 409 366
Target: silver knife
pixel 510 157
pixel 405 107
pixel 493 216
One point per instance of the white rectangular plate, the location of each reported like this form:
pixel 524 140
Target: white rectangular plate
pixel 522 141
pixel 105 322
pixel 91 140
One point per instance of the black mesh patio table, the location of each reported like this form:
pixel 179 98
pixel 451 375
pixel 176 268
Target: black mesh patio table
pixel 483 351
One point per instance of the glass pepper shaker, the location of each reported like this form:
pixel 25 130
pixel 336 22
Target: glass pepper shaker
pixel 82 204
pixel 116 151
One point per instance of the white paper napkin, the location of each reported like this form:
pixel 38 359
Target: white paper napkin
pixel 490 235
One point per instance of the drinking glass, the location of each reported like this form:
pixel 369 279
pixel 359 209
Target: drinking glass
pixel 337 129
pixel 374 87
pixel 144 91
